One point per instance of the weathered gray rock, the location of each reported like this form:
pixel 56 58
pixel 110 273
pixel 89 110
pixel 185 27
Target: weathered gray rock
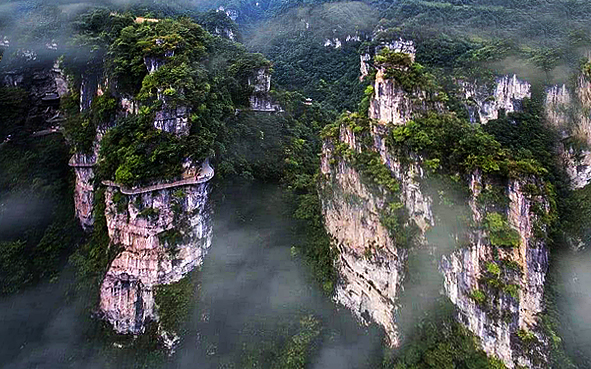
pixel 569 114
pixel 485 102
pixel 557 108
pixel 260 100
pixel 88 90
pixel 84 189
pixel 173 120
pixel 391 104
pixel 370 266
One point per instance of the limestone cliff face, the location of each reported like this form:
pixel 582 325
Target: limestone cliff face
pixel 83 163
pixel 173 120
pixel 369 264
pixel 498 319
pixel 568 112
pixel 164 234
pixel 392 104
pixel 580 160
pixel 484 102
pixel 84 188
pixel 260 100
pixel 557 105
pixel 372 265
pixel 163 230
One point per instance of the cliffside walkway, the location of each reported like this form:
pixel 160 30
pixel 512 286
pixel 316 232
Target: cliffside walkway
pixel 46 132
pixel 80 164
pixel 205 174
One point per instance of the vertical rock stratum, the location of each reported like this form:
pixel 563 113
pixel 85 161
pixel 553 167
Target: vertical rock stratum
pixel 164 234
pixel 496 285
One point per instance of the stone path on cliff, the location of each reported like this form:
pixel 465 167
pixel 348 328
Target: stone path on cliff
pixel 80 164
pixel 205 174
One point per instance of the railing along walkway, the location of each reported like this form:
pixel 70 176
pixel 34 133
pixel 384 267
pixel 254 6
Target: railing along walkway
pixel 204 175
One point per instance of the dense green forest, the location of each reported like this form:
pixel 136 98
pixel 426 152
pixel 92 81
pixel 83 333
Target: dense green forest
pixel 543 41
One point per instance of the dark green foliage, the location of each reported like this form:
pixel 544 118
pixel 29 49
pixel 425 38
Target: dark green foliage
pixel 152 40
pixel 171 239
pixel 254 145
pixel 14 271
pixel 37 229
pixel 296 352
pixel 512 289
pixel 301 179
pixel 120 200
pixel 526 336
pixel 149 213
pixel 216 22
pixel 288 344
pixel 98 28
pixel 478 296
pixel 134 152
pixel 402 229
pixel 294 42
pixel 174 302
pixel 400 67
pixel 500 278
pixel 494 196
pixel 13 105
pixel 80 128
pixel 526 135
pixel 473 148
pixel 317 247
pixel 208 76
pixel 371 166
pixel 440 342
pixel 365 102
pixel 579 225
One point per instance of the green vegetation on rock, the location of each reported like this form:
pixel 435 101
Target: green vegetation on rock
pixel 439 341
pixel 409 75
pixel 500 233
pixel 174 302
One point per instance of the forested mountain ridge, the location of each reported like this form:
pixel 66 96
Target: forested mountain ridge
pixel 465 160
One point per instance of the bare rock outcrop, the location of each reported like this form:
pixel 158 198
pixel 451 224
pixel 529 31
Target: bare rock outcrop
pixel 510 279
pixel 260 100
pixel 372 266
pixel 164 234
pixel 486 101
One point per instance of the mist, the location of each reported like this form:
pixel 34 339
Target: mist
pixel 251 292
pixel 20 211
pixel 572 294
pixel 253 287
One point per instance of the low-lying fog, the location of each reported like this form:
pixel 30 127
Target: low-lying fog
pixel 251 290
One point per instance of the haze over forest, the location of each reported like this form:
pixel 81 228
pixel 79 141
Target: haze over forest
pixel 295 184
